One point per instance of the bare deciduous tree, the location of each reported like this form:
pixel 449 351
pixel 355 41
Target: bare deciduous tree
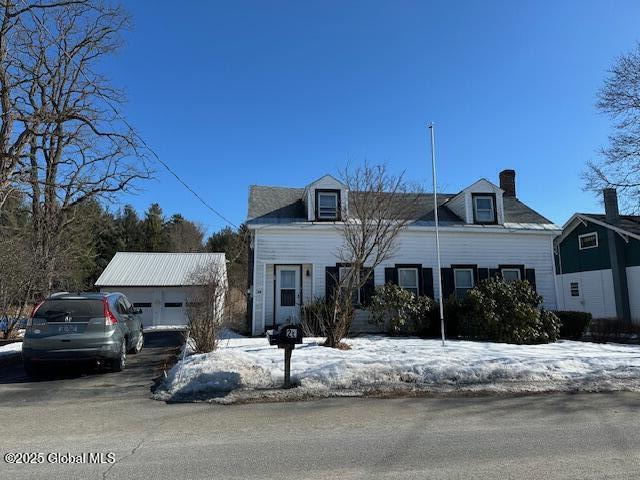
pixel 380 206
pixel 17 70
pixel 206 306
pixel 619 165
pixel 79 148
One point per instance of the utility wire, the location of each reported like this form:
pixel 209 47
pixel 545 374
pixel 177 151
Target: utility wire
pixel 124 120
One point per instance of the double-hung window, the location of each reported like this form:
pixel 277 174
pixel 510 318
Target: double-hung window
pixel 463 279
pixel 484 209
pixel 327 205
pixel 511 274
pixel 408 279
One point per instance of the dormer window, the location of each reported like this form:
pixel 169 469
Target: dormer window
pixel 484 208
pixel 327 204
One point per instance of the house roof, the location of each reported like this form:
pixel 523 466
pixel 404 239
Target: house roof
pixel 285 205
pixel 629 224
pixel 136 269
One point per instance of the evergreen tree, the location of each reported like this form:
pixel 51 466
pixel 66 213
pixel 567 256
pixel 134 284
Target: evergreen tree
pixel 155 239
pixel 129 230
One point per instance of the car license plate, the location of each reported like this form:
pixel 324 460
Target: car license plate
pixel 68 329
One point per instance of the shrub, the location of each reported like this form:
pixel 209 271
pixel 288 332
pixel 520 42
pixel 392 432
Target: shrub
pixel 314 316
pixel 573 325
pixel 613 330
pixel 405 313
pixel 509 312
pixel 455 316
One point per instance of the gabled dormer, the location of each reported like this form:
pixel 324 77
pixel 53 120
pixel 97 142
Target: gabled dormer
pixel 326 200
pixel 481 203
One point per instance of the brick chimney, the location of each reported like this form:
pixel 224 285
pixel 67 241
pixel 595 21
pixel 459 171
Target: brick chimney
pixel 611 212
pixel 508 182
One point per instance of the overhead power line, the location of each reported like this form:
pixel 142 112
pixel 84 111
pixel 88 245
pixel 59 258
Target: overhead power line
pixel 109 103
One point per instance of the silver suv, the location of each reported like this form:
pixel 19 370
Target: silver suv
pixel 97 327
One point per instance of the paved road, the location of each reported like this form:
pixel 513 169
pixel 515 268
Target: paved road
pixel 587 436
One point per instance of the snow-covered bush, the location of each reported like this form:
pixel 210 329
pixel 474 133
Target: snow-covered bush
pixel 406 313
pixel 509 312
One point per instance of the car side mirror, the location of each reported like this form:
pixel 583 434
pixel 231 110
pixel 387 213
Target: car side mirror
pixel 137 311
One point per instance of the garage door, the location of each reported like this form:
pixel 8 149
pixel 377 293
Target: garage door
pixel 173 309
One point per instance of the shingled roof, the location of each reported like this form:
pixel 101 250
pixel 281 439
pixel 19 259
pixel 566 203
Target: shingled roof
pixel 285 205
pixel 629 223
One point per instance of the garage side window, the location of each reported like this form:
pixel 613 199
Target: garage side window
pixel 173 304
pixel 588 240
pixel 142 304
pixel 574 287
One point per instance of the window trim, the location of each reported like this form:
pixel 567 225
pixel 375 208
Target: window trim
pixel 513 266
pixel 417 285
pixel 511 269
pixel 492 196
pixel 320 191
pixel 577 284
pixel 173 304
pixel 466 269
pixel 580 237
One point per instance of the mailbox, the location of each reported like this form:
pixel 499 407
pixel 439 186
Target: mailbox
pixel 286 336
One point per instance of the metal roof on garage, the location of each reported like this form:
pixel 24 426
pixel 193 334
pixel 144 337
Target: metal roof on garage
pixel 137 269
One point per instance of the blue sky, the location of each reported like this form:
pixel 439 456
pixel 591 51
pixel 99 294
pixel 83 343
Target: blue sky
pixel 278 93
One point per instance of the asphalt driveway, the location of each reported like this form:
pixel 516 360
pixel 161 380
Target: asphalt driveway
pixel 78 383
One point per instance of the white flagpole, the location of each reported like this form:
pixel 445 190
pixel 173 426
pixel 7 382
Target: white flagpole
pixel 435 212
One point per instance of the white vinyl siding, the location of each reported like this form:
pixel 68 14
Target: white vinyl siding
pixel 595 293
pixel 317 246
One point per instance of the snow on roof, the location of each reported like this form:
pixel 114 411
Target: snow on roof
pixel 136 269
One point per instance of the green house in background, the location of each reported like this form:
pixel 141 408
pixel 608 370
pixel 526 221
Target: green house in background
pixel 598 263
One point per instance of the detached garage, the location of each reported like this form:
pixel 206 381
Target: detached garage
pixel 158 283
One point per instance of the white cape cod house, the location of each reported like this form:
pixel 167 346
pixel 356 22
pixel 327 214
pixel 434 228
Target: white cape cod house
pixel 485 230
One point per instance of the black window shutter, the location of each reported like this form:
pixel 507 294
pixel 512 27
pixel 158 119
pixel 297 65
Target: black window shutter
pixel 368 289
pixel 391 275
pixel 427 282
pixel 483 274
pixel 494 272
pixel 530 276
pixel 448 283
pixel 331 280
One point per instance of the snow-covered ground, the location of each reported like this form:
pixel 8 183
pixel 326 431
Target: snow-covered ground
pixel 10 348
pixel 245 369
pixel 164 328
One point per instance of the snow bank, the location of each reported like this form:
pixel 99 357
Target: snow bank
pixel 245 368
pixel 11 348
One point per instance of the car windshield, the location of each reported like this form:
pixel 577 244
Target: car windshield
pixel 76 310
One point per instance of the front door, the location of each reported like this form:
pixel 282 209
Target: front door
pixel 287 294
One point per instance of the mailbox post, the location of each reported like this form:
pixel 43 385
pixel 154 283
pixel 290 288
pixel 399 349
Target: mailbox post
pixel 286 338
